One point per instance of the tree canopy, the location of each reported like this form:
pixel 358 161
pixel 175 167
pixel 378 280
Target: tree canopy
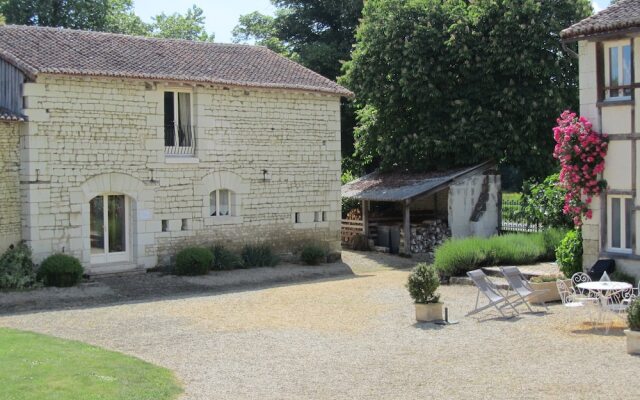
pixel 318 33
pixel 116 16
pixel 189 26
pixel 448 83
pixel 75 14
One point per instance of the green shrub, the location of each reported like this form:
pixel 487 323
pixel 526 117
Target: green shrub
pixel 313 254
pixel 193 261
pixel 551 239
pixel 569 253
pixel 61 270
pixel 16 268
pixel 620 276
pixel 423 283
pixel 259 256
pixel 542 203
pixel 455 257
pixel 633 315
pixel 224 259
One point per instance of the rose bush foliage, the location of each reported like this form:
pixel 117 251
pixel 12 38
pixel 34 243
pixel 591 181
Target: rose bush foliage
pixel 581 152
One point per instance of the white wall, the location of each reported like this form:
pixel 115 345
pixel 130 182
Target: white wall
pixel 88 136
pixel 463 196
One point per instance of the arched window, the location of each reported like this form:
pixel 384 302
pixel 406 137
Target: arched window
pixel 222 203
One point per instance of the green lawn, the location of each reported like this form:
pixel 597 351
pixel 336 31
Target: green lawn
pixel 511 196
pixel 34 366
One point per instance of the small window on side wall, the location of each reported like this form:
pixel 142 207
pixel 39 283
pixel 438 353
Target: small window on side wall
pixel 220 203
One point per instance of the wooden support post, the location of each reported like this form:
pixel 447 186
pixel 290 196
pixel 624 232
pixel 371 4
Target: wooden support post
pixel 365 218
pixel 406 212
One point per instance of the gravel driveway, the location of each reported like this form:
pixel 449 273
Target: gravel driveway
pixel 353 338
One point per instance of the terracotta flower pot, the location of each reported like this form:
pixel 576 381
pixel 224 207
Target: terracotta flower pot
pixel 633 341
pixel 428 312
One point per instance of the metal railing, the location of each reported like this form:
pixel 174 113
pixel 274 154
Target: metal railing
pixel 512 219
pixel 179 140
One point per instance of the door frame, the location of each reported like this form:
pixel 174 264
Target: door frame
pixel 112 257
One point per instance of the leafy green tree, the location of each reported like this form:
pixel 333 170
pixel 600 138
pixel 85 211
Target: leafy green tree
pixel 189 26
pixel 543 203
pixel 2 20
pixel 76 14
pixel 320 33
pixel 449 83
pixel 261 29
pixel 122 19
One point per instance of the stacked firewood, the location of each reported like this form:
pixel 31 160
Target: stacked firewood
pixel 355 214
pixel 426 236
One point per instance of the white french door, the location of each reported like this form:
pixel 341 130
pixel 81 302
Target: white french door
pixel 109 228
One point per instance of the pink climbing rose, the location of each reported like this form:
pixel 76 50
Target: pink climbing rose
pixel 581 152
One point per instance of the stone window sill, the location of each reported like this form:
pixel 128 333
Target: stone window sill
pixel 613 103
pixel 226 220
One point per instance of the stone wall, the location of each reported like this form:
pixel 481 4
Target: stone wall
pixel 9 184
pixel 92 136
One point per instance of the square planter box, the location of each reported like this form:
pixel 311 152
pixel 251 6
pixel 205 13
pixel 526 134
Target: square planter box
pixel 428 312
pixel 550 295
pixel 633 341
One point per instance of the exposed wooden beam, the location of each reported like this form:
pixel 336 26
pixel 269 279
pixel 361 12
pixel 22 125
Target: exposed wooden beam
pixel 406 212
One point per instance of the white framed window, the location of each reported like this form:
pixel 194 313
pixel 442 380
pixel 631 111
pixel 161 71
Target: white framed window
pixel 618 70
pixel 179 135
pixel 619 223
pixel 221 203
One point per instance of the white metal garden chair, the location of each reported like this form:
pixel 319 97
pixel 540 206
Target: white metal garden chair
pixel 491 292
pixel 615 305
pixel 521 287
pixel 569 298
pixel 582 295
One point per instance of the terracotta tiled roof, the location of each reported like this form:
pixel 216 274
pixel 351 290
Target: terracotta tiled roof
pixel 36 50
pixel 6 115
pixel 622 15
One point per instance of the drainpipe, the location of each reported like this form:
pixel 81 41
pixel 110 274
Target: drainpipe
pixel 569 51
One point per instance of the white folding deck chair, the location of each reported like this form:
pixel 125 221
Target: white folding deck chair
pixel 520 286
pixel 486 287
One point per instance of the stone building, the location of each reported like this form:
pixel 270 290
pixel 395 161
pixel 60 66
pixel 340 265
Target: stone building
pixel 121 150
pixel 608 56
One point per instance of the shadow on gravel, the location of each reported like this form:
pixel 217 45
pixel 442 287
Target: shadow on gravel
pixel 154 286
pixel 428 326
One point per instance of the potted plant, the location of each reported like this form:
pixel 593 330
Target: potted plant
pixel 548 290
pixel 422 285
pixel 633 333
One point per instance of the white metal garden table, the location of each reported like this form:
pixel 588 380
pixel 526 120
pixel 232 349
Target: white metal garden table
pixel 605 290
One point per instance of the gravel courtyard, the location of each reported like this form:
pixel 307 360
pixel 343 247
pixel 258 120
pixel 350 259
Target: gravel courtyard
pixel 352 337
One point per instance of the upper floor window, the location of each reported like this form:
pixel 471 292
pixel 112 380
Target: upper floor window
pixel 619 223
pixel 618 71
pixel 179 136
pixel 221 203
